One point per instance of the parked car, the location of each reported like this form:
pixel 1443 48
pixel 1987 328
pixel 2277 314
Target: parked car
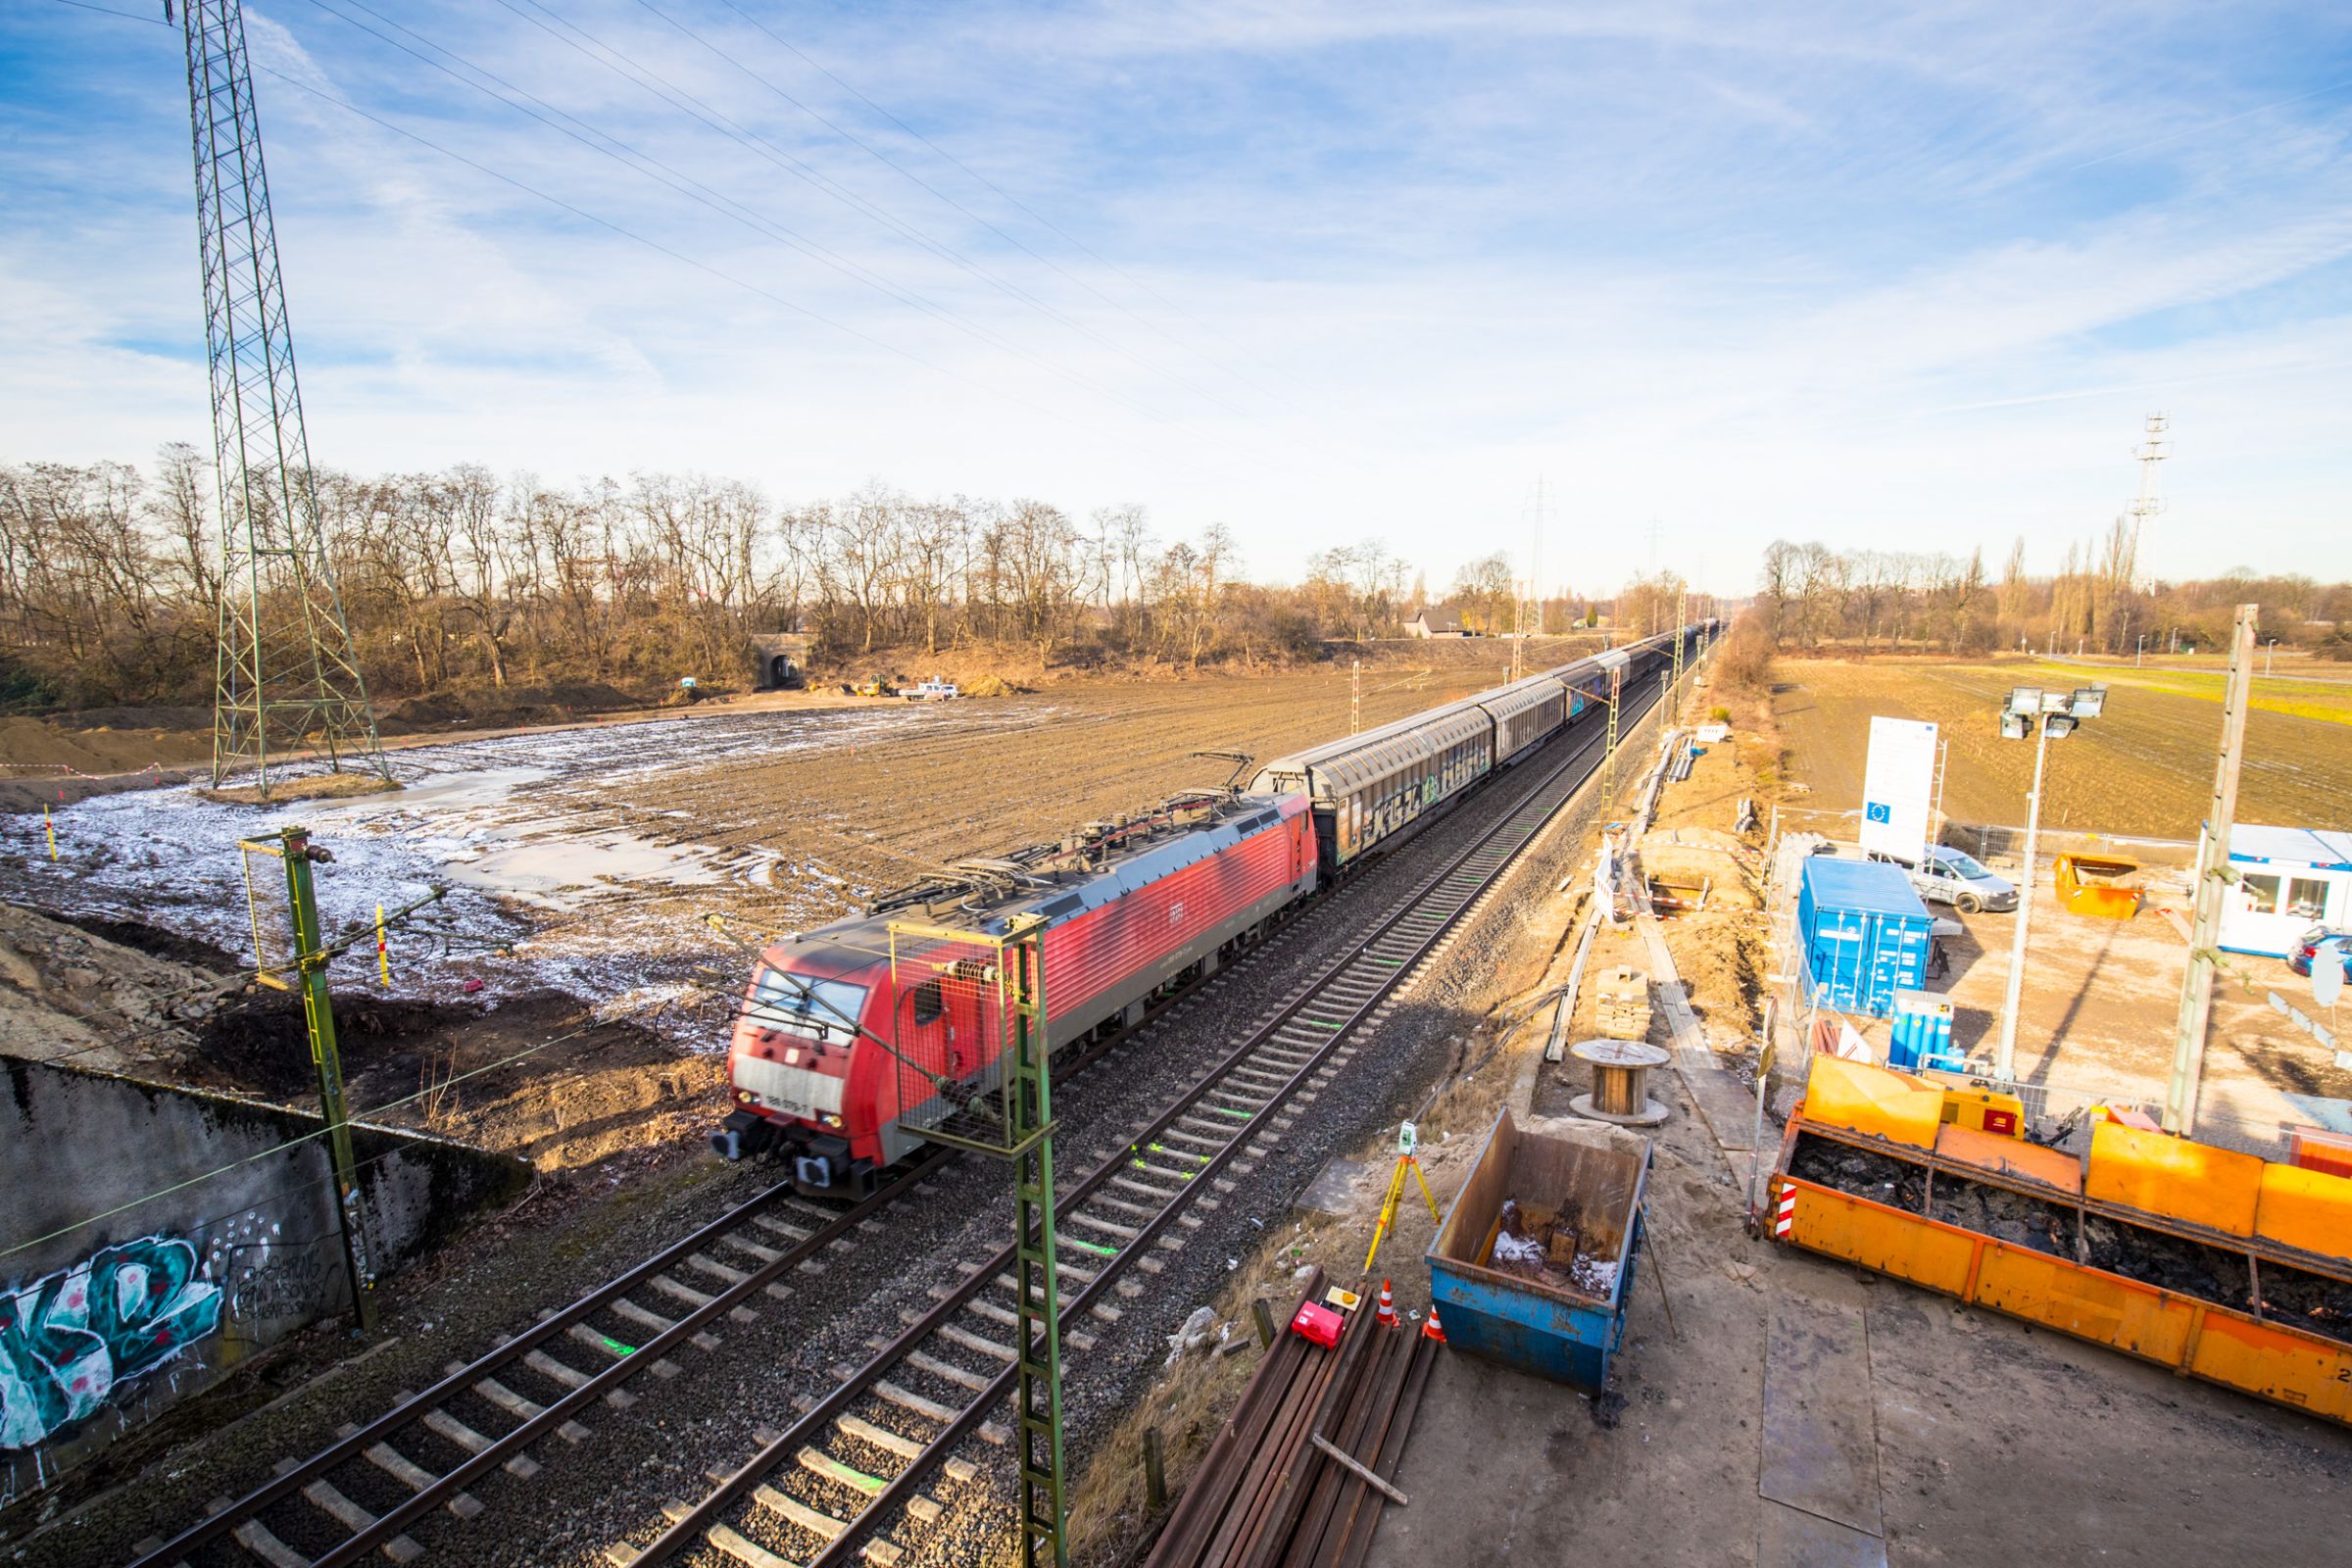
pixel 2306 948
pixel 1945 875
pixel 934 690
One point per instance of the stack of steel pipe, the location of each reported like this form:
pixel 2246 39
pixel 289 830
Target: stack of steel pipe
pixel 1303 1469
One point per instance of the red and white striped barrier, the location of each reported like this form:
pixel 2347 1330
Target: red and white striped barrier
pixel 1783 1216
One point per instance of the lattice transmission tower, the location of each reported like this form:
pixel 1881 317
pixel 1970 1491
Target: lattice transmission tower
pixel 286 678
pixel 2147 504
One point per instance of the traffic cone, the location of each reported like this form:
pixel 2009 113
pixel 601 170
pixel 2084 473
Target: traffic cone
pixel 1386 1318
pixel 1430 1329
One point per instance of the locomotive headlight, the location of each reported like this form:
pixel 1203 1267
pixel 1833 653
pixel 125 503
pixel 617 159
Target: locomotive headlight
pixel 830 1120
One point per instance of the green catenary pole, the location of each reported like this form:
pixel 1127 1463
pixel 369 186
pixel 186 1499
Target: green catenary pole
pixel 318 1012
pixel 1038 1396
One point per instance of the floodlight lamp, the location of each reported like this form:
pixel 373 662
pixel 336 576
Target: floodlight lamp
pixel 2013 726
pixel 2024 699
pixel 2055 702
pixel 2088 701
pixel 2057 726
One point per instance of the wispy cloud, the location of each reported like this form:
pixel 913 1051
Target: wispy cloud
pixel 1319 271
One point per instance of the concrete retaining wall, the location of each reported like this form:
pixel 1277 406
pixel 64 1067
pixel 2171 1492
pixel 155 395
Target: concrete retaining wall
pixel 155 1236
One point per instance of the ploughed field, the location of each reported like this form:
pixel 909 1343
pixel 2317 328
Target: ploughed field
pixel 2145 767
pixel 631 865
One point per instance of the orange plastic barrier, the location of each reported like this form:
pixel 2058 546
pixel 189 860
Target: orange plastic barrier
pixel 2172 1181
pixel 1874 1100
pixel 2268 1359
pixel 2310 1209
pixel 2013 1158
pixel 2159 1174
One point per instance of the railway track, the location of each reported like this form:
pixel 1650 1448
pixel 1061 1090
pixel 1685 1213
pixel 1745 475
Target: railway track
pixel 567 1363
pixel 858 1459
pixel 475 1419
pixel 895 1419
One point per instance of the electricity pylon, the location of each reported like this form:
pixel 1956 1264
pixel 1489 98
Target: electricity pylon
pixel 285 673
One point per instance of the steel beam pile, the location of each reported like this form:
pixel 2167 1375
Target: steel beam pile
pixel 1302 1470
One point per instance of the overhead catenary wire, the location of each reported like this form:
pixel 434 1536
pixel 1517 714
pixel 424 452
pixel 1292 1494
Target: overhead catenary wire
pixel 854 140
pixel 1022 207
pixel 668 174
pixel 296 1141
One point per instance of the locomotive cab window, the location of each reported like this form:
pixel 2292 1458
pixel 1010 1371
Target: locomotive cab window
pixel 821 1009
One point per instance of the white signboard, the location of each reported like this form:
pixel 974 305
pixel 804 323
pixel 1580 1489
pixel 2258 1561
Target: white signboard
pixel 1899 784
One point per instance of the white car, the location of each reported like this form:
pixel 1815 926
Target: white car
pixel 933 690
pixel 1945 875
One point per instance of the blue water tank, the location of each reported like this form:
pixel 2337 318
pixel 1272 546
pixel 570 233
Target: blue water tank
pixel 1862 934
pixel 1923 1033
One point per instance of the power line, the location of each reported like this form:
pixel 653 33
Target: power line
pixel 686 185
pixel 853 138
pixel 1036 216
pixel 674 255
pixel 108 11
pixel 715 200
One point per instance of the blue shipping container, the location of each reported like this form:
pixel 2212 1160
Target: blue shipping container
pixel 1556 1329
pixel 1863 934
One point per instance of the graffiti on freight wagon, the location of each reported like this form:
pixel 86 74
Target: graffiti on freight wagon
pixel 69 1341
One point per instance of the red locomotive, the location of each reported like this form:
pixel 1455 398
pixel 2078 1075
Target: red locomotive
pixel 1130 906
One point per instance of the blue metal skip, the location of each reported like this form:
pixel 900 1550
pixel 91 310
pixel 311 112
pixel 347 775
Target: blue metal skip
pixel 1537 1326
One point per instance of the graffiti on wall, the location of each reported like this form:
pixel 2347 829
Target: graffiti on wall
pixel 69 1341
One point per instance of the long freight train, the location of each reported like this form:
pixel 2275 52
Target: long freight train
pixel 837 1068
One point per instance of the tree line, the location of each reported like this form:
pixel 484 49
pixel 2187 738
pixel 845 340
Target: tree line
pixel 2097 602
pixel 109 578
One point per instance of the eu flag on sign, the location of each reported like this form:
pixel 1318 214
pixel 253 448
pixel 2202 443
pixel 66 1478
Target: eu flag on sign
pixel 1877 813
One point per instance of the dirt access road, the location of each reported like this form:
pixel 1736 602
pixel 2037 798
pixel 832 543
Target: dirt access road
pixel 2143 768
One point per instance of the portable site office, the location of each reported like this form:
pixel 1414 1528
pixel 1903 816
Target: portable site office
pixel 1864 934
pixel 2289 879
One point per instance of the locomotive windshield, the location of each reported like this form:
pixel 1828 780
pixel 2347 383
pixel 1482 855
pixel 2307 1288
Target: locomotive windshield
pixel 825 1009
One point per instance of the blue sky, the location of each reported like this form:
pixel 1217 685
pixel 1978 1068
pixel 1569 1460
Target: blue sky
pixel 1896 278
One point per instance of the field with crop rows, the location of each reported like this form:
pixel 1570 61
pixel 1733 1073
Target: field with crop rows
pixel 2145 768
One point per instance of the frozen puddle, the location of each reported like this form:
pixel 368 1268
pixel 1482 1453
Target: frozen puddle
pixel 541 841
pixel 570 874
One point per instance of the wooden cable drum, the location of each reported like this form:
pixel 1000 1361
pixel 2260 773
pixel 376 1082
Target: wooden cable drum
pixel 1620 1080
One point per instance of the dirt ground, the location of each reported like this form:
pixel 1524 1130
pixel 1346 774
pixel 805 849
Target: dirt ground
pixel 542 1076
pixel 2145 767
pixel 1961 1438
pixel 883 813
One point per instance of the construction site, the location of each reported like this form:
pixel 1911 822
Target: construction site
pixel 609 1023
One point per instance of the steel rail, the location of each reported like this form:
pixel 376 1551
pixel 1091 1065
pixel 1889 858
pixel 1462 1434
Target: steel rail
pixel 412 1410
pixel 1444 888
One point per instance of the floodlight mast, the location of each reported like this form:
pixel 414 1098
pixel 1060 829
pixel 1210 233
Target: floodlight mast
pixel 2052 715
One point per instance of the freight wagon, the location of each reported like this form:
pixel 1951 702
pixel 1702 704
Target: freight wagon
pixel 2204 1260
pixel 1376 789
